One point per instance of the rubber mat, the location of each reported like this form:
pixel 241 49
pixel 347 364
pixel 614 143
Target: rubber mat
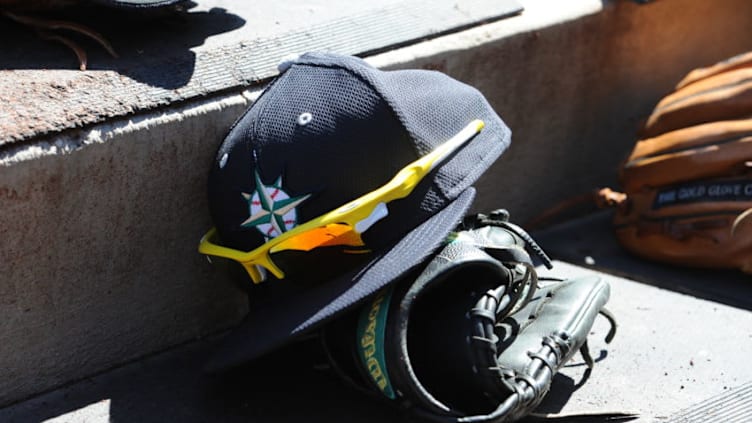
pixel 732 406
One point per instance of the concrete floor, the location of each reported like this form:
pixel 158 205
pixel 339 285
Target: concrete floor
pixel 684 334
pixel 672 351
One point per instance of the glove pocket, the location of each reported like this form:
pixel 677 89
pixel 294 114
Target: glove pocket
pixel 410 343
pixel 429 352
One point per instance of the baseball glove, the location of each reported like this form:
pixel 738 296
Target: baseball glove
pixel 688 182
pixel 473 337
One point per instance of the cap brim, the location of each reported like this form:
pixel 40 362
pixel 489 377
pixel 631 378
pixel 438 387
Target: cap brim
pixel 270 326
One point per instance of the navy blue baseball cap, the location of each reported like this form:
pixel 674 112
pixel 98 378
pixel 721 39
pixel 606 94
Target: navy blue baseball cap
pixel 330 129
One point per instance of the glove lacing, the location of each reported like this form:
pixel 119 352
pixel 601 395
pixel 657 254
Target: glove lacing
pixel 501 302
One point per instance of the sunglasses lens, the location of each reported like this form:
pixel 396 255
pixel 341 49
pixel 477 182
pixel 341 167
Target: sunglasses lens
pixel 320 264
pixel 336 234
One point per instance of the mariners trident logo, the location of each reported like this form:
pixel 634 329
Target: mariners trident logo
pixel 271 210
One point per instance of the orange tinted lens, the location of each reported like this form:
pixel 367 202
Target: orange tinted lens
pixel 326 236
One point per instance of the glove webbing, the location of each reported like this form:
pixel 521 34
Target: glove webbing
pixel 522 390
pixel 500 302
pixel 500 218
pixel 495 306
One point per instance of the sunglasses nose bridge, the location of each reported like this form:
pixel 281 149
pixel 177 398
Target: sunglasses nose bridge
pixel 252 267
pixel 253 272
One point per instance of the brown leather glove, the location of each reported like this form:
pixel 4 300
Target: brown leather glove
pixel 688 181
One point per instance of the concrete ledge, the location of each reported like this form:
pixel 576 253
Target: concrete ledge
pixel 100 224
pixel 176 57
pixel 99 246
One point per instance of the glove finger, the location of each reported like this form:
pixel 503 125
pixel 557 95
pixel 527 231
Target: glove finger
pixel 720 97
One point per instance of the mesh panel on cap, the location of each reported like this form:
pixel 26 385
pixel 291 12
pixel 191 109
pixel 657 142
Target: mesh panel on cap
pixel 350 144
pixel 353 144
pixel 433 107
pixel 331 95
pixel 452 106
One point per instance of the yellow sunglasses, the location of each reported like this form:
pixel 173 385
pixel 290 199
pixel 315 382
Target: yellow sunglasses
pixel 343 225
